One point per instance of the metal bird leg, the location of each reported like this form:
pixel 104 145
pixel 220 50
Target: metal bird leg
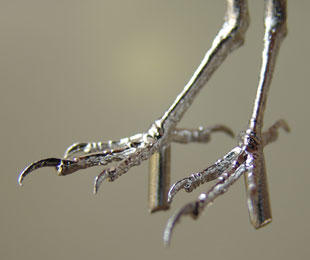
pixel 247 158
pixel 133 150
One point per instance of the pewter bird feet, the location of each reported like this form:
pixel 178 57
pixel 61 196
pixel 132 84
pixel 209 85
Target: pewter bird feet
pixel 220 166
pixel 129 151
pixel 227 171
pixel 248 157
pixel 209 174
pixel 195 208
pixel 182 135
pixel 127 148
pixel 132 151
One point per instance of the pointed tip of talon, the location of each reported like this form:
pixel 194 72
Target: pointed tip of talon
pixel 95 190
pixel 166 238
pixel 167 234
pixel 23 174
pixel 171 194
pixel 49 162
pixel 20 182
pixel 166 244
pixel 175 188
pixel 287 128
pixel 229 132
pixel 224 129
pixel 98 180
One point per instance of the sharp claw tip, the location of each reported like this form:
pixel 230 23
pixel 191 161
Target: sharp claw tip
pixel 96 185
pixel 166 238
pixel 166 244
pixel 98 180
pixel 230 133
pixel 20 179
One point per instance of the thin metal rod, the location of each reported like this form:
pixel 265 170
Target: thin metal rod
pixel 275 31
pixel 229 38
pixel 250 154
pixel 256 178
pixel 159 179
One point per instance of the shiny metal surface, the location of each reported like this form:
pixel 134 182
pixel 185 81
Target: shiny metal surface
pixel 255 177
pixel 159 166
pixel 133 150
pixel 154 144
pixel 159 179
pixel 247 158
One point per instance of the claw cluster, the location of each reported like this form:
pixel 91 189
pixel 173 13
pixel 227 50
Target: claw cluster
pixel 247 158
pixel 130 151
pixel 227 171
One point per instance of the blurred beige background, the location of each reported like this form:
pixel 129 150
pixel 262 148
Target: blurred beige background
pixel 97 70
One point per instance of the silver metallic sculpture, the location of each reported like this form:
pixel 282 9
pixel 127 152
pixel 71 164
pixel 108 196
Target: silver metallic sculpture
pixel 247 158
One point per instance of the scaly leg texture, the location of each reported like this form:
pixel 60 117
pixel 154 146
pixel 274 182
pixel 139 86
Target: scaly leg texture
pixel 133 150
pixel 247 158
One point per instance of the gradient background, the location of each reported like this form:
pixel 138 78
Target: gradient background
pixel 98 70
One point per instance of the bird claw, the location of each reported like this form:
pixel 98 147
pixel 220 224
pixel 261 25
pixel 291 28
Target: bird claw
pixel 191 209
pixel 99 179
pixel 119 152
pixel 131 151
pixel 209 174
pixel 76 148
pixel 195 208
pixel 246 157
pixel 252 142
pixel 59 164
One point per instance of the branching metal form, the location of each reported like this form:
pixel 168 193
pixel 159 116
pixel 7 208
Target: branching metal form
pixel 247 158
pixel 133 150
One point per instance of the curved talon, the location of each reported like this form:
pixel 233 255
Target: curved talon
pixel 75 148
pixel 209 174
pixel 49 162
pixel 271 134
pixel 63 167
pixel 97 147
pixel 99 179
pixel 188 209
pixel 175 188
pixel 206 199
pixel 284 125
pixel 198 135
pixel 222 128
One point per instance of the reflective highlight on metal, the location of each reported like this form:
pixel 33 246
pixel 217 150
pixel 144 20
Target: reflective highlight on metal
pixel 159 179
pixel 155 143
pixel 256 179
pixel 133 150
pixel 159 167
pixel 247 158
